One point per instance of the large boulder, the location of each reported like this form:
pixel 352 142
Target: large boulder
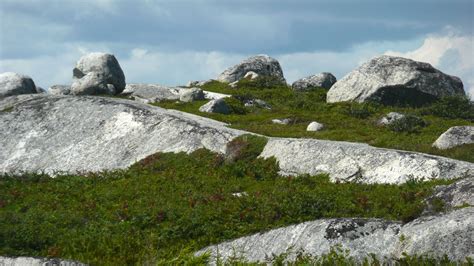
pixel 455 136
pixel 15 84
pixel 314 126
pixel 395 81
pixel 322 80
pixel 93 83
pixel 191 95
pixel 152 93
pixel 359 162
pixel 215 106
pixel 105 65
pixel 59 90
pixel 450 197
pixel 433 236
pixel 262 65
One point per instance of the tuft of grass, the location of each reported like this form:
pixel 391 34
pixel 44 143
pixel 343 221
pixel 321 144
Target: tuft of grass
pixel 453 107
pixel 168 205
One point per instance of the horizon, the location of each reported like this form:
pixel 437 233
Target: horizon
pixel 173 42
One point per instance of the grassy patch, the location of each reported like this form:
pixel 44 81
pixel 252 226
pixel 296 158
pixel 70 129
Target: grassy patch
pixel 168 205
pixel 343 121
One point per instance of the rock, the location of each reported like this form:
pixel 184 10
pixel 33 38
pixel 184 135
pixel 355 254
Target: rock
pixel 395 80
pixel 359 162
pixel 257 103
pixel 93 83
pixel 323 80
pixel 449 197
pixel 47 133
pixel 315 126
pixel 191 95
pixel 15 84
pixel 214 95
pixel 450 234
pixel 251 75
pixel 455 136
pixel 390 118
pixel 59 90
pixel 105 65
pixel 152 93
pixel 89 134
pixel 215 106
pixel 30 261
pixel 284 121
pixel 40 90
pixel 262 65
pixel 199 83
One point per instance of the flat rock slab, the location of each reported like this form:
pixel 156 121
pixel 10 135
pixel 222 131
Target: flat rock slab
pixel 358 162
pixel 449 234
pixel 84 133
pixel 30 261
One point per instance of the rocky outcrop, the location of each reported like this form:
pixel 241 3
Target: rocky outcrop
pixel 262 65
pixel 358 162
pixel 84 133
pixel 41 132
pixel 59 90
pixel 395 80
pixel 29 261
pixel 15 84
pixel 454 137
pixel 449 197
pixel 101 69
pixel 215 106
pixel 433 236
pixel 199 83
pixel 322 80
pixel 152 93
pixel 390 118
pixel 315 126
pixel 191 95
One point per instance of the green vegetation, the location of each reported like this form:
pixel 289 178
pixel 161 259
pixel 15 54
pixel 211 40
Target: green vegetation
pixel 167 206
pixel 343 121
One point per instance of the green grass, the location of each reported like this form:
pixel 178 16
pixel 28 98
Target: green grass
pixel 168 205
pixel 343 121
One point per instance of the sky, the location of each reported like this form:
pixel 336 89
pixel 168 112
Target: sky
pixel 175 41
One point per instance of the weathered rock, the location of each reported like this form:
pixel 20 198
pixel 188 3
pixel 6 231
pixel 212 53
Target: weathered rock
pixel 29 261
pixel 15 84
pixel 251 75
pixel 82 134
pixel 447 198
pixel 215 106
pixel 315 126
pixel 40 90
pixel 105 65
pixel 454 137
pixel 358 162
pixel 93 83
pixel 323 80
pixel 390 118
pixel 199 83
pixel 152 93
pixel 395 80
pixel 191 95
pixel 283 121
pixel 435 236
pixel 215 95
pixel 262 65
pixel 59 90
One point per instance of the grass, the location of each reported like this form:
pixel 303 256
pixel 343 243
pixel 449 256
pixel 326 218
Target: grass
pixel 167 206
pixel 343 121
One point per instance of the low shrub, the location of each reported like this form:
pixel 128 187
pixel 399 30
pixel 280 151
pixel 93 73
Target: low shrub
pixel 451 107
pixel 408 124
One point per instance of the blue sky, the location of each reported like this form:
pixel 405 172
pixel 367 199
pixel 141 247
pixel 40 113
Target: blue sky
pixel 172 42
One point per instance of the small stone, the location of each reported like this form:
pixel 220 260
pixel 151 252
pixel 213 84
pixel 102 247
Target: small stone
pixel 314 126
pixel 284 121
pixel 215 106
pixel 15 84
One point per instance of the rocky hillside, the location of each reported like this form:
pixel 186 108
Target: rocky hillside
pixel 98 169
